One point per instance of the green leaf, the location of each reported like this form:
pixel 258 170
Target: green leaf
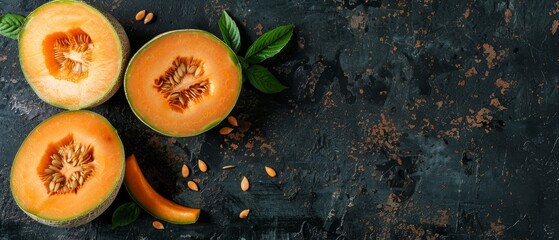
pixel 243 62
pixel 125 214
pixel 269 44
pixel 263 80
pixel 10 25
pixel 230 32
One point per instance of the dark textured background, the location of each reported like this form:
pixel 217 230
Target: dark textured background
pixel 428 119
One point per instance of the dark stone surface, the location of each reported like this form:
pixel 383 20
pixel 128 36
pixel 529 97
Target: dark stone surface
pixel 429 119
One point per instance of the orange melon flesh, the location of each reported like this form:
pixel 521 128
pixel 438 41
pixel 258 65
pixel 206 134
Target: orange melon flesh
pixel 58 18
pixel 153 202
pixel 97 191
pixel 153 59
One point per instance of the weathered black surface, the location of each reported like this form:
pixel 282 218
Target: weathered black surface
pixel 466 94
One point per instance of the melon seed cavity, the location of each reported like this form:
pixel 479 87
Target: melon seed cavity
pixel 70 55
pixel 68 168
pixel 183 83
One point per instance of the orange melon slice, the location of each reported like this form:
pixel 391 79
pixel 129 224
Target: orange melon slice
pixel 69 169
pixel 155 204
pixel 72 54
pixel 183 82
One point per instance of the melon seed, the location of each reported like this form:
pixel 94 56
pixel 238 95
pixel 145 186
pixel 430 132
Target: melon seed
pixel 244 213
pixel 225 130
pixel 140 15
pixel 202 166
pixel 157 225
pixel 270 171
pixel 185 171
pixel 245 184
pixel 148 18
pixel 229 167
pixel 192 185
pixel 233 121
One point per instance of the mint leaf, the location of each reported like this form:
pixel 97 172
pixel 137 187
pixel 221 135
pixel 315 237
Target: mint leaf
pixel 263 80
pixel 10 25
pixel 229 32
pixel 125 214
pixel 269 44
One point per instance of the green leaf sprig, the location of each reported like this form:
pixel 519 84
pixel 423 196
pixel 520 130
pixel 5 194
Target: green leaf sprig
pixel 125 214
pixel 10 25
pixel 265 47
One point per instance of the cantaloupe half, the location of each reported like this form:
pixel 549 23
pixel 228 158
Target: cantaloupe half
pixel 183 82
pixel 69 169
pixel 155 204
pixel 72 54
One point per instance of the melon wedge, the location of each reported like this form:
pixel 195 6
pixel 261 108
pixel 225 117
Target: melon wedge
pixel 151 201
pixel 183 83
pixel 69 169
pixel 72 54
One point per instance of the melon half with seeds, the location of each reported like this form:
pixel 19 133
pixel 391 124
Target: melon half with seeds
pixel 72 54
pixel 183 82
pixel 69 169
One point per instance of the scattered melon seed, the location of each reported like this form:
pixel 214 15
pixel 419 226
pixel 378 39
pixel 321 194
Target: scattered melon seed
pixel 270 171
pixel 148 18
pixel 140 15
pixel 192 185
pixel 202 166
pixel 229 167
pixel 233 121
pixel 244 213
pixel 245 184
pixel 157 225
pixel 225 130
pixel 185 171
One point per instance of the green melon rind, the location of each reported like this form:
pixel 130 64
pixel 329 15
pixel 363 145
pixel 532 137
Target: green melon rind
pixel 153 214
pixel 90 214
pixel 124 47
pixel 232 56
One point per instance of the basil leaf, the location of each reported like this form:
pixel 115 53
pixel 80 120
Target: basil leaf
pixel 263 80
pixel 10 25
pixel 125 214
pixel 229 31
pixel 269 44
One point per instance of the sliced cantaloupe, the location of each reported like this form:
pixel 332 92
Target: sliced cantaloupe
pixel 155 204
pixel 69 169
pixel 72 54
pixel 183 82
